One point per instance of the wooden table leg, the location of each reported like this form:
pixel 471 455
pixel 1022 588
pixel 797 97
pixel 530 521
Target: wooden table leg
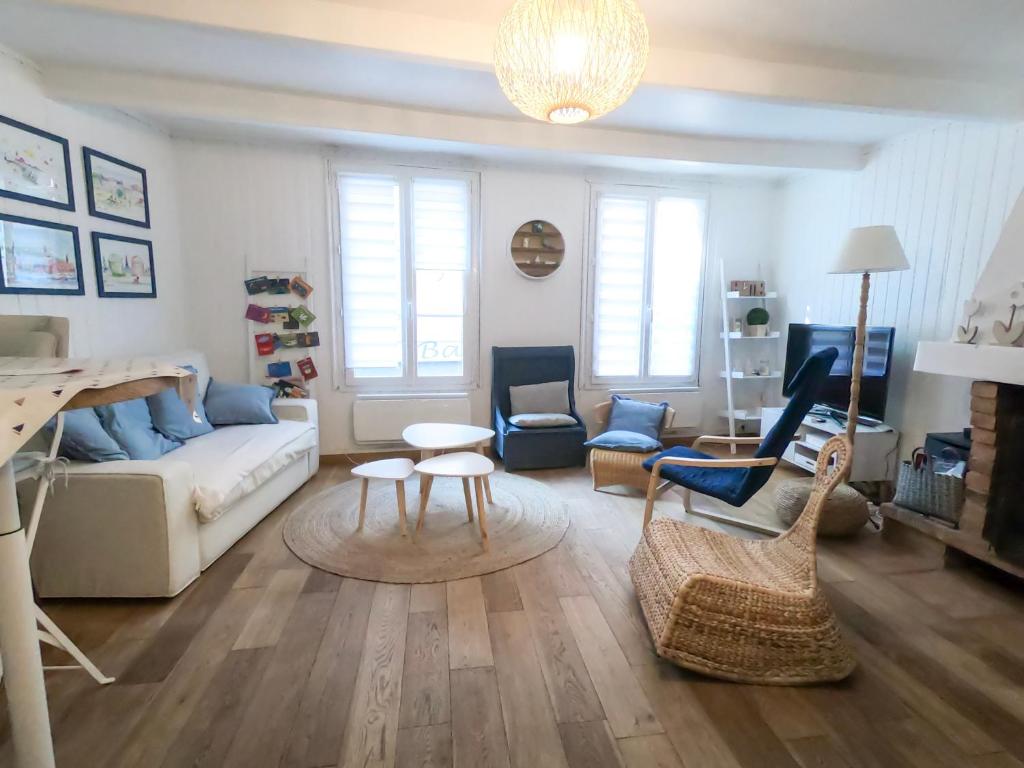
pixel 481 511
pixel 425 482
pixel 487 478
pixel 400 490
pixel 469 498
pixel 364 487
pixel 424 455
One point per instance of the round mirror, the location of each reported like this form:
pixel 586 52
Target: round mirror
pixel 537 249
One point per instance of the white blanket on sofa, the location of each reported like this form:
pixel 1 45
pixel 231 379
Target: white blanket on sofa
pixel 230 462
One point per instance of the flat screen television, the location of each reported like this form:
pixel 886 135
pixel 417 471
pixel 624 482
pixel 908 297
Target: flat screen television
pixel 805 340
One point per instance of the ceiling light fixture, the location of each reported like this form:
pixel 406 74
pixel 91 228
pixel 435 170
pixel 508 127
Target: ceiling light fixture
pixel 566 61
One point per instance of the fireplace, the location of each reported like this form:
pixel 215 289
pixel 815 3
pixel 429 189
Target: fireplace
pixel 995 478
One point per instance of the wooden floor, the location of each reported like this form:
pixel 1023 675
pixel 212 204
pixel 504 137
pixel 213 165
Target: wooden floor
pixel 266 661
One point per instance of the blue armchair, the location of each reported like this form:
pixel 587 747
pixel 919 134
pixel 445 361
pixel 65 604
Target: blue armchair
pixel 542 448
pixel 735 480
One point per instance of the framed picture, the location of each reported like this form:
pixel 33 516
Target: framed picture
pixel 35 166
pixel 39 257
pixel 117 190
pixel 124 267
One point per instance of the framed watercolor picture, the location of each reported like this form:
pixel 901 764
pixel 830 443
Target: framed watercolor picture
pixel 35 166
pixel 39 257
pixel 124 267
pixel 117 190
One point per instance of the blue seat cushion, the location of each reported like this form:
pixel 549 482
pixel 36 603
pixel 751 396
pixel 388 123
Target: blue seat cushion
pixel 727 483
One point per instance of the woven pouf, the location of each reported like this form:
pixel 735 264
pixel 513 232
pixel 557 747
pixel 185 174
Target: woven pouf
pixel 845 511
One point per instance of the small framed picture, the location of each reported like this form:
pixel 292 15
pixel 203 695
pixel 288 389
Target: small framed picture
pixel 39 257
pixel 124 267
pixel 117 190
pixel 35 166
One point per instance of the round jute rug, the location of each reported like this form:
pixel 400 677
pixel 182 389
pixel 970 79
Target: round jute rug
pixel 525 520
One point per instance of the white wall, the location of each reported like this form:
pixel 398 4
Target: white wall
pixel 266 206
pixel 103 327
pixel 947 191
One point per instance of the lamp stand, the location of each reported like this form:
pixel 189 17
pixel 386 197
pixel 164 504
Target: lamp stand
pixel 858 358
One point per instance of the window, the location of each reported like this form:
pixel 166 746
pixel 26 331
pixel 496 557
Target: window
pixel 646 284
pixel 407 243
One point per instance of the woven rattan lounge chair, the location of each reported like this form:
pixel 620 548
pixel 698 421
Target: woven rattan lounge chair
pixel 748 611
pixel 609 467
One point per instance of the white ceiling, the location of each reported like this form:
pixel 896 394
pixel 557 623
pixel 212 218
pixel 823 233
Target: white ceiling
pixel 824 45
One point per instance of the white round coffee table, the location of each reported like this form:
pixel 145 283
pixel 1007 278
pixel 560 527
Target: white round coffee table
pixel 464 465
pixel 433 438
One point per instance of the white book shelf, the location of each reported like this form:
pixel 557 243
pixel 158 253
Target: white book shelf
pixel 744 404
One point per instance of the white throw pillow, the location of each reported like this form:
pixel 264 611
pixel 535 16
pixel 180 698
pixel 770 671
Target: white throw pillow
pixel 535 420
pixel 548 397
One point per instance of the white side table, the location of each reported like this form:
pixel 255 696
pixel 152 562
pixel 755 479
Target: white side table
pixel 433 438
pixel 466 466
pixel 385 469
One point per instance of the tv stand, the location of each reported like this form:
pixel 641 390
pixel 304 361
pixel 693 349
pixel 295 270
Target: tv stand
pixel 875 454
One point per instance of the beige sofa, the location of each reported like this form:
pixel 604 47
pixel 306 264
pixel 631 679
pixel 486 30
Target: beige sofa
pixel 149 528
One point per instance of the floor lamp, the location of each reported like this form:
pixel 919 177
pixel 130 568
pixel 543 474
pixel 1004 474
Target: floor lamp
pixel 866 250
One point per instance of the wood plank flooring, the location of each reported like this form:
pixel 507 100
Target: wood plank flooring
pixel 268 662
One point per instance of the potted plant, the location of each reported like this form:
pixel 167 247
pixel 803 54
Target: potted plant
pixel 757 320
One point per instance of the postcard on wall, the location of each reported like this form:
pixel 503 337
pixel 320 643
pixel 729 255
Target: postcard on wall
pixel 117 190
pixel 124 267
pixel 35 166
pixel 39 257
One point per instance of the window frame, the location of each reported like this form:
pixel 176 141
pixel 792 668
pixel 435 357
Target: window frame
pixel 644 382
pixel 410 382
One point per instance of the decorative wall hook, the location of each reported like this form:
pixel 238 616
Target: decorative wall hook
pixel 1008 334
pixel 968 333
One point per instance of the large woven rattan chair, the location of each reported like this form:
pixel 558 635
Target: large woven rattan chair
pixel 748 611
pixel 609 467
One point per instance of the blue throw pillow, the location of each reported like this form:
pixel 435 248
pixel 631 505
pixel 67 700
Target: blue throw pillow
pixel 173 419
pixel 84 438
pixel 131 425
pixel 636 416
pixel 239 404
pixel 621 440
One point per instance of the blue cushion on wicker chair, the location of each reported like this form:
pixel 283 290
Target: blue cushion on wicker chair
pixel 725 483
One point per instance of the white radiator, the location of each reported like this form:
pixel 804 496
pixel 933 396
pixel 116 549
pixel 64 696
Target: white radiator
pixel 381 420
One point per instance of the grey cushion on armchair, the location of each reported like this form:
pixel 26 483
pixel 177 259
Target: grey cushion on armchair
pixel 33 336
pixel 534 448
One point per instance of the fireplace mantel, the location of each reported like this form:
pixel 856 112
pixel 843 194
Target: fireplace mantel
pixel 981 362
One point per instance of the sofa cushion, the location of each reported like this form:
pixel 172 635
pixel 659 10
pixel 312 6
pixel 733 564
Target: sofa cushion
pixel 725 483
pixel 546 397
pixel 174 419
pixel 84 437
pixel 540 420
pixel 622 440
pixel 231 461
pixel 228 404
pixel 630 415
pixel 131 426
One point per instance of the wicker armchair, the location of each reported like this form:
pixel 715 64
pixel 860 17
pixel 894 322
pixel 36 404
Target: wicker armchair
pixel 748 611
pixel 620 467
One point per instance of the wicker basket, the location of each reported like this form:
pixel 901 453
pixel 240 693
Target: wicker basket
pixel 923 491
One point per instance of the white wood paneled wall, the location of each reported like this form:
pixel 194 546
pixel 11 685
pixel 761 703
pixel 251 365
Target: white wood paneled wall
pixel 948 192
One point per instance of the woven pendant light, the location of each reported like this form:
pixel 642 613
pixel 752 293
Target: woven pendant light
pixel 566 61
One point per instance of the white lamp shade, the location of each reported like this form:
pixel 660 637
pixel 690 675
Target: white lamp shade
pixel 871 249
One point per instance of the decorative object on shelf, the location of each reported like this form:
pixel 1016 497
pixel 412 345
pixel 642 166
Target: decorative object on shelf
pixel 968 333
pixel 866 250
pixel 1008 334
pixel 737 325
pixel 747 287
pixel 124 267
pixel 39 257
pixel 562 61
pixel 537 249
pixel 757 321
pixel 300 287
pixel 35 166
pixel 116 190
